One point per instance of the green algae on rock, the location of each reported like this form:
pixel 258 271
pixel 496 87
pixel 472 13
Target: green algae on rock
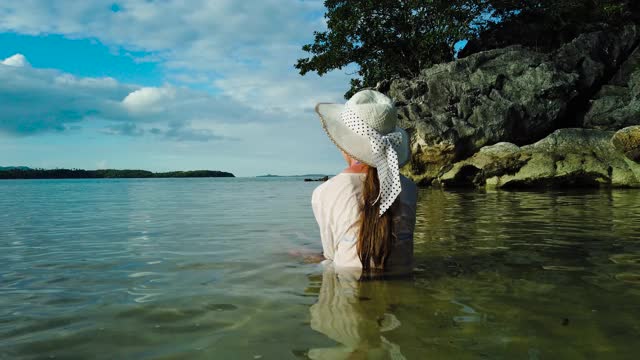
pixel 627 141
pixel 577 157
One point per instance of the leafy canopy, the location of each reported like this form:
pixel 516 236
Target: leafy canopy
pixel 399 38
pixel 388 37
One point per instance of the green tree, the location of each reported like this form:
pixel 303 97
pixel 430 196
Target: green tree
pixel 387 38
pixel 547 24
pixel 568 11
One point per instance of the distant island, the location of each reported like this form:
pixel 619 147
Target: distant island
pixel 14 167
pixel 20 172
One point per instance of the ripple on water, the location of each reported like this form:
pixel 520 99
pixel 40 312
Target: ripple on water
pixel 141 274
pixel 157 313
pixel 195 327
pixel 160 314
pixel 65 344
pixel 629 277
pixel 625 259
pixel 564 268
pixel 41 325
pixel 65 301
pixel 221 307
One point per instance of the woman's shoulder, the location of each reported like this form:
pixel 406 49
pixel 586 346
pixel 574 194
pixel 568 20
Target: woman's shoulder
pixel 338 185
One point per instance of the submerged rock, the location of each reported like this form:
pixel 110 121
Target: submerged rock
pixel 512 94
pixel 566 157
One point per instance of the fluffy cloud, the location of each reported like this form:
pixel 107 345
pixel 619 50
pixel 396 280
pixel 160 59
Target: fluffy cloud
pixel 17 60
pixel 246 49
pixel 149 99
pixel 37 100
pixel 43 100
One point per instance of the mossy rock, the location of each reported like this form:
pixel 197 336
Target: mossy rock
pixel 627 141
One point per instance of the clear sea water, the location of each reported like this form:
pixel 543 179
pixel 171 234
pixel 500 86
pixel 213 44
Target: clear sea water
pixel 199 269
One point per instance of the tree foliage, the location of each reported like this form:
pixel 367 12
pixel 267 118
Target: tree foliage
pixel 399 38
pixel 546 24
pixel 388 37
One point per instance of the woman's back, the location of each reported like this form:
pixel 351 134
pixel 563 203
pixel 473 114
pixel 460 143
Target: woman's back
pixel 336 206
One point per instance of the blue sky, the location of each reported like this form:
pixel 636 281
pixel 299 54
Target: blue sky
pixel 163 85
pixel 91 58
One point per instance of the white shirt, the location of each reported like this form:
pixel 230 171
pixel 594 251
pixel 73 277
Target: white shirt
pixel 336 206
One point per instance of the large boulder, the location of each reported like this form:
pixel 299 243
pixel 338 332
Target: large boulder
pixel 566 157
pixel 454 109
pixel 512 94
pixel 617 104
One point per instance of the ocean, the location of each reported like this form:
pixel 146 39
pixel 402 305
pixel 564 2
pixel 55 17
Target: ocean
pixel 200 268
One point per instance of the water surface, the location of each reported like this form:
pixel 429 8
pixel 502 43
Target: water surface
pixel 199 269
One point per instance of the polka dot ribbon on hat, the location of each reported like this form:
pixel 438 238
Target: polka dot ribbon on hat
pixel 385 156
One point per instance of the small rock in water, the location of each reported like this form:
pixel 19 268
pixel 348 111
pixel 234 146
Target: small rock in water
pixel 324 178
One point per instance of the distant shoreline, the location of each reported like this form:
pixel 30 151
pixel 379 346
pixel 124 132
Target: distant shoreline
pixel 18 173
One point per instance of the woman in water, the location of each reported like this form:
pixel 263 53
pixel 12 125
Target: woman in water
pixel 367 213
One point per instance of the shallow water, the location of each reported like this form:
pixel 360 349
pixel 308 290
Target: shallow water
pixel 198 268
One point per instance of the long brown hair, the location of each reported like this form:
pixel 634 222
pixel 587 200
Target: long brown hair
pixel 375 238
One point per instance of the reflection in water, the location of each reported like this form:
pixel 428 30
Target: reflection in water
pixel 356 315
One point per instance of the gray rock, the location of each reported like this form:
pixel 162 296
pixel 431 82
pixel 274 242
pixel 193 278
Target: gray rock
pixel 617 104
pixel 566 157
pixel 512 94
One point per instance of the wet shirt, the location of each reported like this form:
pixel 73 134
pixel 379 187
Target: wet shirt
pixel 336 206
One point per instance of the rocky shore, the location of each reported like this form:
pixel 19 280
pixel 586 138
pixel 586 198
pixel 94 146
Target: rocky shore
pixel 517 117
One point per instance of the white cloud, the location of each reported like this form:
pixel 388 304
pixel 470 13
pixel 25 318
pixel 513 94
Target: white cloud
pixel 149 99
pixel 17 60
pixel 248 47
pixel 40 100
pixel 43 100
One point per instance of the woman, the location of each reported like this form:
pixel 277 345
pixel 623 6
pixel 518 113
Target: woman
pixel 367 213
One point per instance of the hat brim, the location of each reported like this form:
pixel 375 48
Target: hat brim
pixel 356 146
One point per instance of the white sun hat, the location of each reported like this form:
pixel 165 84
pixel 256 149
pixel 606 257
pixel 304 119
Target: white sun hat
pixel 366 129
